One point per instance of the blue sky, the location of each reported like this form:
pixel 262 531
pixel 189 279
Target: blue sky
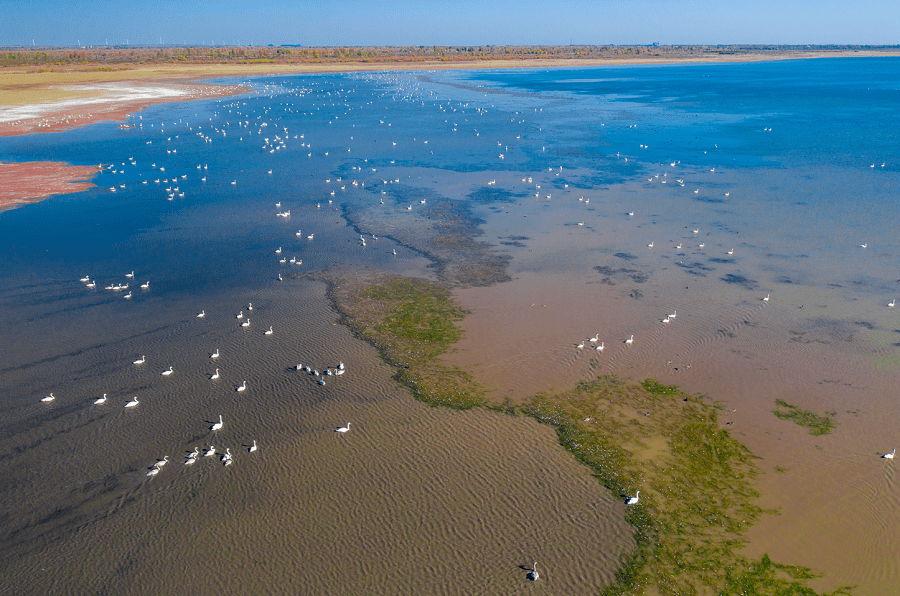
pixel 453 22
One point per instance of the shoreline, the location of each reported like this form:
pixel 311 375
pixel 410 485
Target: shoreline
pixel 103 101
pixel 92 92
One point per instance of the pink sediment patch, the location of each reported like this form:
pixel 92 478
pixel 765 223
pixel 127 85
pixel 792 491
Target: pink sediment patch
pixel 33 181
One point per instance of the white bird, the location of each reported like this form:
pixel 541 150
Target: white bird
pixel 161 462
pixel 600 347
pixel 240 315
pixel 889 455
pixel 140 360
pixel 101 400
pixel 153 472
pixel 215 354
pixel 674 314
pixel 133 403
pixel 533 574
pixel 246 323
pixel 218 424
pixel 215 375
pixel 595 338
pixel 168 371
pixel 731 252
pixel 49 398
pixel 145 286
pixel 342 429
pixel 580 346
pixel 252 447
pixel 249 306
pixel 242 387
pixel 633 500
pixel 191 460
pixel 866 245
pixel 630 340
pixel 766 299
pixel 201 314
pixel 278 252
pixel 892 303
pixel 269 332
pixel 129 274
pixel 210 452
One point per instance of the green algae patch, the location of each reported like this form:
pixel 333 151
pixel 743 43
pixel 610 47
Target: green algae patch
pixel 697 496
pixel 817 425
pixel 696 482
pixel 412 322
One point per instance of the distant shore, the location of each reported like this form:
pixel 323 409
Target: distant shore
pixel 59 96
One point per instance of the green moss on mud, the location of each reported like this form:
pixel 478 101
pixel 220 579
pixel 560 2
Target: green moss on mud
pixel 696 481
pixel 817 425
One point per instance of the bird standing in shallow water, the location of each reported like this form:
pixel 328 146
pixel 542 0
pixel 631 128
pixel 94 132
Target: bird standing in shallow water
pixel 889 455
pixel 633 500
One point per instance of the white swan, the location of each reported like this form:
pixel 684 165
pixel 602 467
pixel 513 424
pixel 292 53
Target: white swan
pixel 892 303
pixel 533 574
pixel 766 299
pixel 240 315
pixel 129 274
pixel 215 354
pixel 342 429
pixel 633 500
pixel 600 347
pixel 133 403
pixel 140 360
pixel 210 452
pixel 252 447
pixel 49 398
pixel 201 314
pixel 246 323
pixel 249 306
pixel 168 371
pixel 595 338
pixel 630 340
pixel 269 332
pixel 218 425
pixel 243 386
pixel 101 400
pixel 153 472
pixel 145 286
pixel 889 455
pixel 191 460
pixel 162 462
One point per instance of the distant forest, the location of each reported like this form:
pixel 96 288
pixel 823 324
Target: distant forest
pixel 124 56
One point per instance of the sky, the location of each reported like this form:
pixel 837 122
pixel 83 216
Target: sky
pixel 448 22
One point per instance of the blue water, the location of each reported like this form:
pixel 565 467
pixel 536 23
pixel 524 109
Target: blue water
pixel 791 143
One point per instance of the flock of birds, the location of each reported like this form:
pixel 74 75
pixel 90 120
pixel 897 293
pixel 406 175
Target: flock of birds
pixel 275 138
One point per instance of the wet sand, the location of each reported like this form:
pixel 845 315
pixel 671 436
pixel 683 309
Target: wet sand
pixel 521 338
pixel 412 500
pixel 27 182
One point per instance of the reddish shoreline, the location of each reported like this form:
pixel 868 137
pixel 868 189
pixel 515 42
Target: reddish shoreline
pixel 33 181
pixel 65 115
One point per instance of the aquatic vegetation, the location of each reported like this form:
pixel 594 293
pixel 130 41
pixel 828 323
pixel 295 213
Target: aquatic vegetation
pixel 411 322
pixel 817 425
pixel 696 481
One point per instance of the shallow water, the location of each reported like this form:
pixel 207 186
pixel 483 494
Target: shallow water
pixel 425 500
